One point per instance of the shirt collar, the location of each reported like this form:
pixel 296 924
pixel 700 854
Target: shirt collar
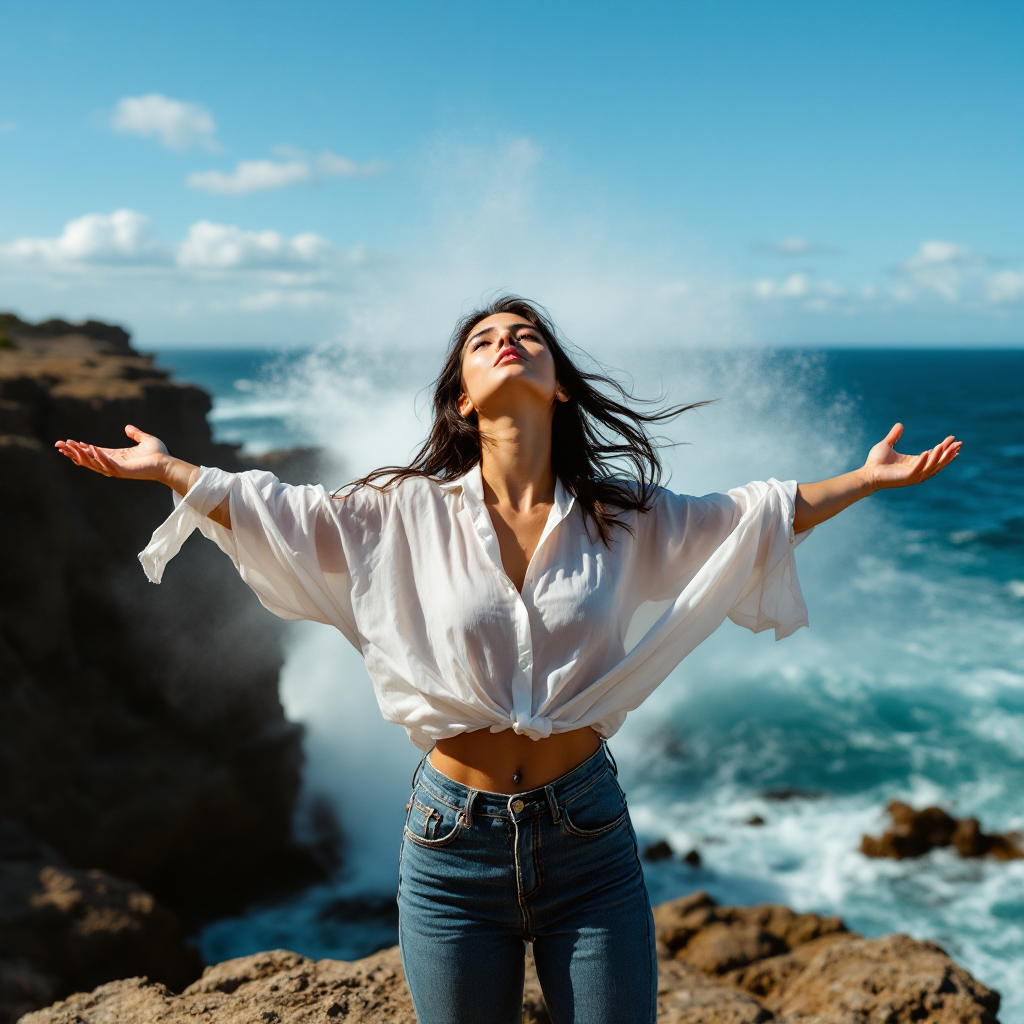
pixel 472 486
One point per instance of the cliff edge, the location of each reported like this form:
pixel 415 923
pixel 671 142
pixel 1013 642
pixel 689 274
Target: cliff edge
pixel 140 728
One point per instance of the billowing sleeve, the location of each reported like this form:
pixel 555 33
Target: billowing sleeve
pixel 286 542
pixel 736 548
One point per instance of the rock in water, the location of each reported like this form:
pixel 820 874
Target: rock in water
pixel 140 727
pixel 914 833
pixel 792 968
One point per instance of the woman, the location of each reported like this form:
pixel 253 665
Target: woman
pixel 490 586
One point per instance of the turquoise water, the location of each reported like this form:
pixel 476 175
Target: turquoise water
pixel 909 683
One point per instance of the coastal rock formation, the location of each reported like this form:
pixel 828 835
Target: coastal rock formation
pixel 140 728
pixel 914 833
pixel 63 929
pixel 718 965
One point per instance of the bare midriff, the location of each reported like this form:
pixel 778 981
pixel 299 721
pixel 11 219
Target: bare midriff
pixel 505 762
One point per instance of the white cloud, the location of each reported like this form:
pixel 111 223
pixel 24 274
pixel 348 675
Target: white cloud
pixel 122 237
pixel 250 176
pixel 261 175
pixel 940 268
pixel 277 298
pixel 226 247
pixel 796 246
pixel 797 286
pixel 1006 286
pixel 127 238
pixel 178 125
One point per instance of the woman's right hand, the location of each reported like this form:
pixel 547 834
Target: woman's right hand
pixel 146 460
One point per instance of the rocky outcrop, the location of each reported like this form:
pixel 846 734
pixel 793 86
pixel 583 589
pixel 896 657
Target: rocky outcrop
pixel 718 965
pixel 63 929
pixel 914 833
pixel 140 728
pixel 800 966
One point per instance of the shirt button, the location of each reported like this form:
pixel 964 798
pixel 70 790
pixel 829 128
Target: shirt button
pixel 517 806
pixel 524 661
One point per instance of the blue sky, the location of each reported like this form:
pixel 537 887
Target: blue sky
pixel 687 173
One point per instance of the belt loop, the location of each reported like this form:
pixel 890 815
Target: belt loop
pixel 608 754
pixel 556 816
pixel 467 813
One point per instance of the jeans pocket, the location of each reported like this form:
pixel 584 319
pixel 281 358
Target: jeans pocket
pixel 597 810
pixel 431 821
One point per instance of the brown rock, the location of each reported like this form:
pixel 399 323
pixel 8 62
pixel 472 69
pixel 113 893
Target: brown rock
pixel 677 921
pixel 720 939
pixel 914 833
pixel 658 851
pixel 269 987
pixel 62 929
pixel 165 756
pixel 686 996
pixel 894 978
pixel 827 976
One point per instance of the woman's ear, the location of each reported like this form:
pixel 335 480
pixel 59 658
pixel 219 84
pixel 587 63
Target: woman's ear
pixel 465 405
pixel 561 395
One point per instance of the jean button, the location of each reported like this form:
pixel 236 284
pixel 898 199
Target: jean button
pixel 517 806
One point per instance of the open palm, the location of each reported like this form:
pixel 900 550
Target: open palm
pixel 142 461
pixel 888 468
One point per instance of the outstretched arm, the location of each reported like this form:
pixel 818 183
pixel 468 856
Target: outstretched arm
pixel 148 459
pixel 884 467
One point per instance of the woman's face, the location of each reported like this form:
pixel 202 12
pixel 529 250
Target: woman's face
pixel 506 363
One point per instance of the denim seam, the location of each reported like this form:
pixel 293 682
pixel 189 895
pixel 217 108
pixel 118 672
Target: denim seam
pixel 653 964
pixel 437 796
pixel 461 807
pixel 524 908
pixel 580 792
pixel 572 830
pixel 535 855
pixel 431 844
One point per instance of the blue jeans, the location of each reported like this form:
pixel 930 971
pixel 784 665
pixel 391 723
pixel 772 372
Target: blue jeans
pixel 481 874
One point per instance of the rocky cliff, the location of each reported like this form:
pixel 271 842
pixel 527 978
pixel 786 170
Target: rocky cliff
pixel 717 965
pixel 140 727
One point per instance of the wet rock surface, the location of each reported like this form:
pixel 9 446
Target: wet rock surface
pixel 914 833
pixel 717 965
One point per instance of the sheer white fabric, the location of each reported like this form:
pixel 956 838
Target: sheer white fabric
pixel 412 576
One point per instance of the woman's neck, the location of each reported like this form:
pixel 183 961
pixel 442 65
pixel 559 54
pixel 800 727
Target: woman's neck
pixel 515 461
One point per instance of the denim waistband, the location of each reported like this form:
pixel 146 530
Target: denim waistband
pixel 515 805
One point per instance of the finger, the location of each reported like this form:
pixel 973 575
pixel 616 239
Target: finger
pixel 81 456
pixel 948 456
pixel 894 435
pixel 134 433
pixel 917 464
pixel 110 467
pixel 931 462
pixel 940 456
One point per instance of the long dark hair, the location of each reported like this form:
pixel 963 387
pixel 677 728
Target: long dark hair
pixel 594 437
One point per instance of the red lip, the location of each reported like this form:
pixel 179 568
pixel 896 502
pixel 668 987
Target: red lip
pixel 508 354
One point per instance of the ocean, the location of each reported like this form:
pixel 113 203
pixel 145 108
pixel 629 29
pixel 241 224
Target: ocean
pixel 908 685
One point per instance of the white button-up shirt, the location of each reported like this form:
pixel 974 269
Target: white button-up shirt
pixel 412 575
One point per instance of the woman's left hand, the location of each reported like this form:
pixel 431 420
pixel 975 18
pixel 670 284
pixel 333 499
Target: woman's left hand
pixel 885 467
